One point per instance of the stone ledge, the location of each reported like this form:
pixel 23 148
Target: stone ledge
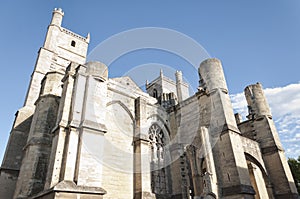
pixel 144 195
pixel 270 150
pixel 9 169
pixel 95 126
pixel 226 129
pixel 57 98
pixel 141 137
pixel 287 195
pixel 71 187
pixel 238 189
pixel 44 141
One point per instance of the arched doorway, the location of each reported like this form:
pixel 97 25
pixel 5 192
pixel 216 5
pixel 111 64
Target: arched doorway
pixel 258 177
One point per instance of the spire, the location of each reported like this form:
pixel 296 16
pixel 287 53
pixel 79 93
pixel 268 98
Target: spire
pixel 88 37
pixel 178 76
pixel 161 73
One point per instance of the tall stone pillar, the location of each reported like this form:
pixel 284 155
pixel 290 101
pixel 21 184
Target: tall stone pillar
pixel 233 177
pixel 268 139
pixel 92 127
pixel 182 88
pixel 178 162
pixel 209 175
pixel 76 159
pixel 142 154
pixel 178 76
pixel 37 150
pixel 194 159
pixel 61 137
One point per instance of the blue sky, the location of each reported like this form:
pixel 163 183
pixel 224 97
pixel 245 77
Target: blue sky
pixel 257 41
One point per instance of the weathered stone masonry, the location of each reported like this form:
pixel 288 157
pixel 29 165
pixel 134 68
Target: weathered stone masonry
pixel 81 134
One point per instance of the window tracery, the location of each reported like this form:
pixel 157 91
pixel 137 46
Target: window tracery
pixel 158 175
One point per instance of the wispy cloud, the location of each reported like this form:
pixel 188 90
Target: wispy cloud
pixel 285 106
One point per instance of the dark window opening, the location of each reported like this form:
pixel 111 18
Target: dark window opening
pixel 73 43
pixel 228 176
pixel 155 93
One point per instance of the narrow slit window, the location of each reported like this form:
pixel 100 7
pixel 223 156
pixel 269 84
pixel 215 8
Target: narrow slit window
pixel 154 93
pixel 73 43
pixel 228 177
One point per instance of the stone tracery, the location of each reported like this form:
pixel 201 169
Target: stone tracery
pixel 157 143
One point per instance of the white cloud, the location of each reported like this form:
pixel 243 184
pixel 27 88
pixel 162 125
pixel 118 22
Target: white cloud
pixel 285 107
pixel 284 100
pixel 239 104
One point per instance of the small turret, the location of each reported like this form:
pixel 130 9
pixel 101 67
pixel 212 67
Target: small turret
pixel 57 16
pixel 211 75
pixel 97 70
pixel 178 76
pixel 213 82
pixel 257 102
pixel 88 38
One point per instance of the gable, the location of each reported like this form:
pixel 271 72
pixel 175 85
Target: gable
pixel 127 82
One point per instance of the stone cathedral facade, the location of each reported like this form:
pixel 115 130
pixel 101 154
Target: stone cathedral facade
pixel 81 134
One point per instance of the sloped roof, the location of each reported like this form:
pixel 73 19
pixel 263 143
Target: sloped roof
pixel 128 82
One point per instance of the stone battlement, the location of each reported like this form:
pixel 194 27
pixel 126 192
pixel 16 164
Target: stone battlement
pixel 74 34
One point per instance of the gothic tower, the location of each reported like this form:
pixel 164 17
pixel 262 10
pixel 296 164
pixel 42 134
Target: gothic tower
pixel 81 134
pixel 167 91
pixel 61 47
pixel 266 134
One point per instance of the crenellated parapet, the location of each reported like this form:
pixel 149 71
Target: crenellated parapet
pixel 68 32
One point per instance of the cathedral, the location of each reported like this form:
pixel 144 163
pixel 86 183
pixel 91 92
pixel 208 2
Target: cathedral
pixel 81 134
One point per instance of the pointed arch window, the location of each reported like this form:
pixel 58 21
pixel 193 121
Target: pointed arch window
pixel 158 172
